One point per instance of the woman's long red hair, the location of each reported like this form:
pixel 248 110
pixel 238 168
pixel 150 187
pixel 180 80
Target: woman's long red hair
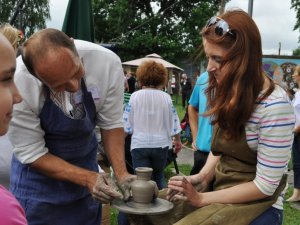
pixel 232 100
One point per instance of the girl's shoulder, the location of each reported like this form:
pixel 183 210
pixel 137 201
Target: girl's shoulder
pixel 278 95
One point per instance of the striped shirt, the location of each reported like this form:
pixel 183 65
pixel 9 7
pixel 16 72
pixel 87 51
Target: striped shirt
pixel 67 103
pixel 269 131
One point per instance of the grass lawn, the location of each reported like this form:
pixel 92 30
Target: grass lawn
pixel 291 215
pixel 180 110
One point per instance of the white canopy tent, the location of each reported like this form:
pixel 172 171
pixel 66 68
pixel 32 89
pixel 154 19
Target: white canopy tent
pixel 156 58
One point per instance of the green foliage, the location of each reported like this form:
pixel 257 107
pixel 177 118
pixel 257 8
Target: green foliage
pixel 169 28
pixel 34 14
pixel 169 171
pixel 296 52
pixel 296 5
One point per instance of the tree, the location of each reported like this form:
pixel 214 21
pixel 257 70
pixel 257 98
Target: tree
pixel 296 52
pixel 296 5
pixel 169 28
pixel 33 16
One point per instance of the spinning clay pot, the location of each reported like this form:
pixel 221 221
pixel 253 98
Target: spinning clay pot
pixel 143 189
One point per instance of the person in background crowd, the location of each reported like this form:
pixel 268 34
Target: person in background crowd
pixel 195 77
pixel 131 83
pixel 11 212
pixel 296 145
pixel 151 120
pixel 173 84
pixel 143 116
pixel 200 125
pixel 125 81
pixel 168 87
pixel 68 86
pixel 186 88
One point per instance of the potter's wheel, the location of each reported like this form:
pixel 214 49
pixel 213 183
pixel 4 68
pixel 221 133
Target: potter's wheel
pixel 157 206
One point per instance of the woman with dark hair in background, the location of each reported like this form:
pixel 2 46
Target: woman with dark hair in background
pixel 186 89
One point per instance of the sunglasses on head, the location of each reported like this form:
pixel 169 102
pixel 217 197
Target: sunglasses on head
pixel 221 26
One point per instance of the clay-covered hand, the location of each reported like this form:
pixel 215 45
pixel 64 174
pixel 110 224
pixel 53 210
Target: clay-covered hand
pixel 105 189
pixel 125 186
pixel 181 188
pixel 173 191
pixel 199 183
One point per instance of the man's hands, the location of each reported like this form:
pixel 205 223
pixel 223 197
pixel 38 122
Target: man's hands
pixel 105 190
pixel 125 186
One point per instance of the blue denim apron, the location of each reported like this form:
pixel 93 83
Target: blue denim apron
pixel 50 201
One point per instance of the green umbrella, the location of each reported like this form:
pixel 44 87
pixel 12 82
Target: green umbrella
pixel 78 22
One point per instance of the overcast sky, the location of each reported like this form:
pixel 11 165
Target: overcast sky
pixel 274 19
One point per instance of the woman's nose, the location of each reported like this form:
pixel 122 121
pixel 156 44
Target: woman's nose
pixel 210 66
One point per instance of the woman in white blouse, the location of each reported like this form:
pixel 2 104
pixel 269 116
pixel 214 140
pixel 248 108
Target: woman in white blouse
pixel 152 120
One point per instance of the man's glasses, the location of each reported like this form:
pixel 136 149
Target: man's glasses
pixel 221 26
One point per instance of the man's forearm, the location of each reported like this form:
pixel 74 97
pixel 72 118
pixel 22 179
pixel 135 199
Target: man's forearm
pixel 57 168
pixel 113 142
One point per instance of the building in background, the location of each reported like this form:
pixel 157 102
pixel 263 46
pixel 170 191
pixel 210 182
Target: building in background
pixel 280 69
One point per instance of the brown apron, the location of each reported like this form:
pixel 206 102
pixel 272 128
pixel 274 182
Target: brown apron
pixel 237 165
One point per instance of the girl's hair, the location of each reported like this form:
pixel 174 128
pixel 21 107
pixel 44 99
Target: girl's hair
pixel 152 74
pixel 11 33
pixel 232 100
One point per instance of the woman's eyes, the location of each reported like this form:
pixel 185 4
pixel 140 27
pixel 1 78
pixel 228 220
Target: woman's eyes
pixel 216 59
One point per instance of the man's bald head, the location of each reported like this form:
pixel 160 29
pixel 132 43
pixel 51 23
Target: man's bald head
pixel 42 43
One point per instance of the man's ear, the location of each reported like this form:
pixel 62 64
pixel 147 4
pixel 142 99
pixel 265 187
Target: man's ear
pixel 72 39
